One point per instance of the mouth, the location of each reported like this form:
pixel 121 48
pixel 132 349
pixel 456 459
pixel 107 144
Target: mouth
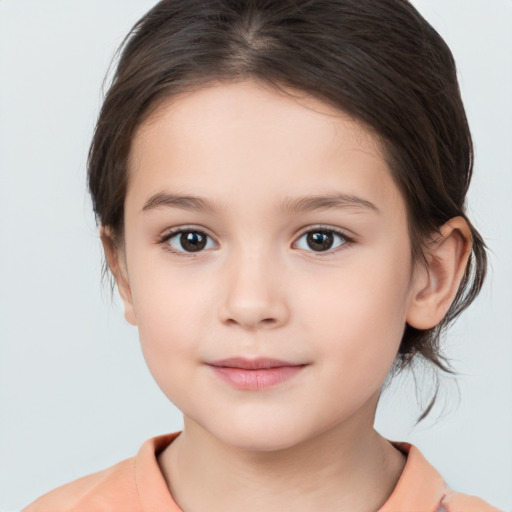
pixel 255 374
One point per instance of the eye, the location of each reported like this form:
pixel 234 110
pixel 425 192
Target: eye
pixel 190 241
pixel 322 240
pixel 187 241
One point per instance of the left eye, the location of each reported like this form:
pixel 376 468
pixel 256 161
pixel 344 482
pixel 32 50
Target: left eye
pixel 321 240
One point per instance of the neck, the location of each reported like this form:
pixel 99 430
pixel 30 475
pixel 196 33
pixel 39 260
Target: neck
pixel 331 472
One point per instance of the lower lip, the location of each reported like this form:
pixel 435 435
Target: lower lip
pixel 255 380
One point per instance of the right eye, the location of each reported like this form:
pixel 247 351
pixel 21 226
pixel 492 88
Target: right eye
pixel 183 241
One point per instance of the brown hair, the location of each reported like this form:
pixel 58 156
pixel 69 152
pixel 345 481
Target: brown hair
pixel 377 60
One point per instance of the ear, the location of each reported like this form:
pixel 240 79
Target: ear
pixel 116 261
pixel 436 284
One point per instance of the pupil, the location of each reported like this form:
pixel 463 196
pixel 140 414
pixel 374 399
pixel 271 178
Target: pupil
pixel 192 241
pixel 319 239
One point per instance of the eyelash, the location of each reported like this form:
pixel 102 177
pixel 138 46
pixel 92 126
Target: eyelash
pixel 318 229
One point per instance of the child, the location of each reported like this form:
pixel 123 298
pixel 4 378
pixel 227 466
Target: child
pixel 280 188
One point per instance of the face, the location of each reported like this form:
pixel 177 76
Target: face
pixel 266 264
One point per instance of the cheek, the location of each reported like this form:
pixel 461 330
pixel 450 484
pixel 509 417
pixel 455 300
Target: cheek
pixel 168 319
pixel 175 307
pixel 170 309
pixel 360 311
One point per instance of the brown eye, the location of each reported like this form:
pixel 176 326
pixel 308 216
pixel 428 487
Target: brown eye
pixel 188 241
pixel 192 241
pixel 322 240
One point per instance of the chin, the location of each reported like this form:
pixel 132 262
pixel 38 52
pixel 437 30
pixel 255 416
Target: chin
pixel 261 436
pixel 260 441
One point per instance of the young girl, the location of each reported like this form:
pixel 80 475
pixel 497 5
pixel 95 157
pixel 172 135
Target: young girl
pixel 280 188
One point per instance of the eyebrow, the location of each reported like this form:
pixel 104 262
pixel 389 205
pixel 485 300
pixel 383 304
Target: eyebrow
pixel 289 205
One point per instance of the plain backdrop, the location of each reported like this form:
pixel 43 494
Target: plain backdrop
pixel 75 394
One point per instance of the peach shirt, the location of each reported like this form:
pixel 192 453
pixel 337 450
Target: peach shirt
pixel 137 484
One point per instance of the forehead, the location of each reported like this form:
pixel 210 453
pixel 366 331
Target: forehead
pixel 257 107
pixel 226 137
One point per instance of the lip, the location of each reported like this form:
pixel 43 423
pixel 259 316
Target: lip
pixel 254 374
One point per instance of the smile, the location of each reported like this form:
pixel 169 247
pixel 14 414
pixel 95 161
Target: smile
pixel 254 374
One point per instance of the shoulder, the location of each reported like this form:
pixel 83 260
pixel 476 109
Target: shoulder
pixel 132 484
pixel 111 487
pixel 460 502
pixel 422 487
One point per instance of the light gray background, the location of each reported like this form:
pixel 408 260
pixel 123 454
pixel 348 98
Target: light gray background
pixel 75 394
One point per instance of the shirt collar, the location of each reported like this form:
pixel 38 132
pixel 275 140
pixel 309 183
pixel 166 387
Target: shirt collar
pixel 153 492
pixel 420 486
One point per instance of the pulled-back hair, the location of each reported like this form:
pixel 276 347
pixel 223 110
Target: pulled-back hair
pixel 377 60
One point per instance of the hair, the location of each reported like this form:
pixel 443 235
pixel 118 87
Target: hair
pixel 379 61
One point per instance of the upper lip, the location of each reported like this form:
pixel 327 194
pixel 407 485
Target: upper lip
pixel 261 363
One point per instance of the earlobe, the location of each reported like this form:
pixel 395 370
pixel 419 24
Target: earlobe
pixel 436 284
pixel 117 265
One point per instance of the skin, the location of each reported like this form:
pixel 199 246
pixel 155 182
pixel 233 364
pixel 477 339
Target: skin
pixel 258 289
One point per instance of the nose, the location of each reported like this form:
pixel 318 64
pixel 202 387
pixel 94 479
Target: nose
pixel 253 293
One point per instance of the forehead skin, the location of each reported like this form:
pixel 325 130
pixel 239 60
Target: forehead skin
pixel 238 116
